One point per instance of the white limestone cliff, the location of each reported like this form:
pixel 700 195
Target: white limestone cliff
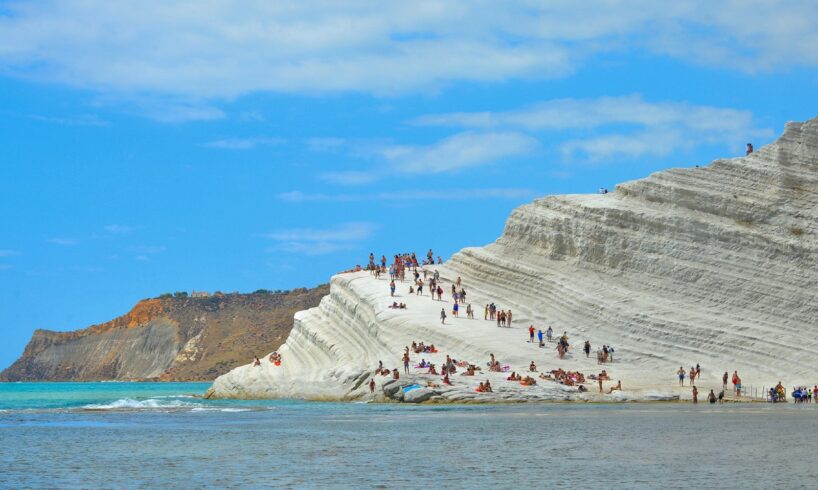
pixel 713 265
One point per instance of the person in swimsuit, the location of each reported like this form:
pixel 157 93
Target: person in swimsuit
pixel 618 387
pixel 695 395
pixel 711 397
pixel 681 374
pixel 372 386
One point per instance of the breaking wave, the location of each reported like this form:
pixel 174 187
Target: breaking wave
pixel 149 404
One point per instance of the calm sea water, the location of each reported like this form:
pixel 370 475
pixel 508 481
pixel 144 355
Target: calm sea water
pixel 156 435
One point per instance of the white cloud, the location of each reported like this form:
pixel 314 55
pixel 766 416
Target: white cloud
pixel 177 113
pixel 619 146
pixel 458 152
pixel 65 242
pixel 632 127
pixel 312 241
pixel 348 177
pixel 198 51
pixel 411 195
pixel 243 143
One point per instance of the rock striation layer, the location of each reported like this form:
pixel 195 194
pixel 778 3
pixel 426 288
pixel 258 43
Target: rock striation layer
pixel 167 338
pixel 713 265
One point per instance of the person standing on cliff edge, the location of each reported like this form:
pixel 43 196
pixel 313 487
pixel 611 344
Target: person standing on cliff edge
pixel 749 148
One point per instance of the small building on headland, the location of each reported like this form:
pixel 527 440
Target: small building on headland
pixel 199 294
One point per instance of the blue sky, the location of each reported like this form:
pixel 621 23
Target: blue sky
pixel 154 148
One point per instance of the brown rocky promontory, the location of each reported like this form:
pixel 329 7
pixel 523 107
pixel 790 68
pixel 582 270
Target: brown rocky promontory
pixel 175 337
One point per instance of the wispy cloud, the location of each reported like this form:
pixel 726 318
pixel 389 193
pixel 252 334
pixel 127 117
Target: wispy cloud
pixel 348 177
pixel 161 107
pixel 212 50
pixel 8 253
pixel 564 114
pixel 616 127
pixel 243 143
pixel 411 195
pixel 315 241
pixel 63 241
pixel 80 120
pixel 458 152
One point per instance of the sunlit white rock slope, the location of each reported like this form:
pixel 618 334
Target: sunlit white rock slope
pixel 713 265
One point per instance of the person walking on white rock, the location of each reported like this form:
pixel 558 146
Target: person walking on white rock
pixel 508 318
pixel 736 383
pixel 549 333
pixel 681 374
pixel 406 362
pixel 392 288
pixel 443 315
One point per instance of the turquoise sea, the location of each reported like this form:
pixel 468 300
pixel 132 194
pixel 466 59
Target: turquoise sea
pixel 160 435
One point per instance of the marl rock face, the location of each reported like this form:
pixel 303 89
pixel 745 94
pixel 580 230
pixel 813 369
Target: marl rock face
pixel 713 265
pixel 171 339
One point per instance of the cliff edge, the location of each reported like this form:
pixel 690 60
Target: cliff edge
pixel 170 338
